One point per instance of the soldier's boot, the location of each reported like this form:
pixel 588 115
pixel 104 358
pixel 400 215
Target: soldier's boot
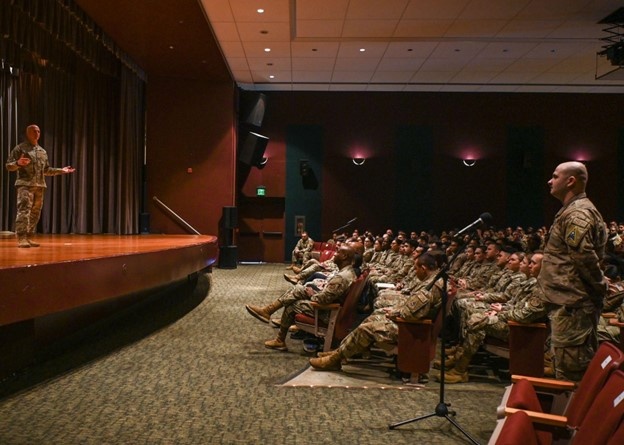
pixel 294 279
pixel 290 267
pixel 459 374
pixel 331 362
pixel 449 363
pixel 297 269
pixel 278 343
pixel 263 313
pixel 30 237
pixel 23 242
pixel 451 351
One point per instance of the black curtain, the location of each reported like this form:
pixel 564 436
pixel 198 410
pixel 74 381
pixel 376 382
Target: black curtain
pixel 60 71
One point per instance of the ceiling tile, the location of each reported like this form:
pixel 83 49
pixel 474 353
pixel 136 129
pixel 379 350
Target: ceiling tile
pixel 434 9
pixel 312 76
pixel 274 11
pixel 261 63
pixel 314 49
pixel 347 64
pixel 321 9
pixel 392 76
pixel 369 28
pixel 352 49
pixel 352 76
pixel 313 63
pixel 226 31
pixel 403 64
pixel 257 49
pixel 410 49
pixel 422 28
pixel 265 32
pixel 375 9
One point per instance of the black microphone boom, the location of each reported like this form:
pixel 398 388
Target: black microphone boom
pixel 484 219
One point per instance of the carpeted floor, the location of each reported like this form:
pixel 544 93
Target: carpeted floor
pixel 189 371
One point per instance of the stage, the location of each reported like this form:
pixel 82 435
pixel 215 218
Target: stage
pixel 71 274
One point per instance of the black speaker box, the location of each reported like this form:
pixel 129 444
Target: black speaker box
pixel 252 148
pixel 230 217
pixel 252 107
pixel 228 257
pixel 144 222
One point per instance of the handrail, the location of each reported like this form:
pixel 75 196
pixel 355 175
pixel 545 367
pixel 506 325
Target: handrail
pixel 175 216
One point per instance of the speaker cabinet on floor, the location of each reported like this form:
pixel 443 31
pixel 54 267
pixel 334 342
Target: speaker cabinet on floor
pixel 228 257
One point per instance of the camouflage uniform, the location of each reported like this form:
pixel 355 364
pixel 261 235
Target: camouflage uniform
pixel 302 251
pixel 313 266
pixel 573 284
pixel 379 327
pixel 528 309
pixel 296 300
pixel 391 297
pixel 30 185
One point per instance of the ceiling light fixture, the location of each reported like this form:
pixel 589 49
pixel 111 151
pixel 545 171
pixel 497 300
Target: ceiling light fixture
pixel 469 162
pixel 260 11
pixel 362 50
pixel 267 50
pixel 359 161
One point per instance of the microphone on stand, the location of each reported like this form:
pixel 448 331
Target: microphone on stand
pixel 484 219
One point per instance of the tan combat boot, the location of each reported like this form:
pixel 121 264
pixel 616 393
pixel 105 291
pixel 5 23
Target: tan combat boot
pixel 23 243
pixel 331 362
pixel 278 343
pixel 449 363
pixel 459 374
pixel 297 269
pixel 263 313
pixel 294 279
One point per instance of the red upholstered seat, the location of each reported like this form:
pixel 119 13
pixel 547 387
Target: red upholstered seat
pixel 602 424
pixel 341 317
pixel 608 358
pixel 518 429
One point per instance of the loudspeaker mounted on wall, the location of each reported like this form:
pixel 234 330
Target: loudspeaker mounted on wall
pixel 252 148
pixel 252 107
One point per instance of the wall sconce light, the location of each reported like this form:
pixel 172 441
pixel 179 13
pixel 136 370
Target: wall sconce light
pixel 469 162
pixel 359 161
pixel 263 161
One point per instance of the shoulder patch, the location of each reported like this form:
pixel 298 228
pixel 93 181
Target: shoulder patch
pixel 574 235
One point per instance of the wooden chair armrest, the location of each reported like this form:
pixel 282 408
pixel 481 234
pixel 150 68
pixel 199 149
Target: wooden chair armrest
pixel 528 325
pixel 324 307
pixel 616 322
pixel 543 418
pixel 423 321
pixel 608 315
pixel 540 382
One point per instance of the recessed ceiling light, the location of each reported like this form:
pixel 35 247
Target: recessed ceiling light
pixel 170 46
pixel 271 76
pixel 410 49
pixel 457 50
pixel 314 49
pixel 267 50
pixel 362 50
pixel 270 64
pixel 264 31
pixel 260 11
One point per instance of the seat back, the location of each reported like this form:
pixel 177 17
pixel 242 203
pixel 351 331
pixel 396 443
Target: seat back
pixel 517 429
pixel 608 358
pixel 348 313
pixel 418 340
pixel 326 255
pixel 605 414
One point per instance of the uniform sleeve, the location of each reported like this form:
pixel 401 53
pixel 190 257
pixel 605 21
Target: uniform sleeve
pixel 530 310
pixel 333 291
pixel 579 237
pixel 11 163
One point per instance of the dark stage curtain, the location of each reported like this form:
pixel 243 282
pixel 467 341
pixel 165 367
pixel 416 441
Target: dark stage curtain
pixel 60 71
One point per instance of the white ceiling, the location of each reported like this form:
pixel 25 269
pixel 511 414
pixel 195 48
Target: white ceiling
pixel 415 45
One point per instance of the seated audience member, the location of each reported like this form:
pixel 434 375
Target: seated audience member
pixel 302 250
pixel 297 300
pixel 527 307
pixel 369 249
pixel 380 327
pixel 480 277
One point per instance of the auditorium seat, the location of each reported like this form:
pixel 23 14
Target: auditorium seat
pixel 603 423
pixel 342 317
pixel 561 397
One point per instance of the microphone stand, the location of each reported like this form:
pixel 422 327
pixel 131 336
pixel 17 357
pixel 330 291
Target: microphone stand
pixel 442 408
pixel 345 226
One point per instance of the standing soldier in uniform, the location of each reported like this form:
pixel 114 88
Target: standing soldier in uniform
pixel 30 161
pixel 573 284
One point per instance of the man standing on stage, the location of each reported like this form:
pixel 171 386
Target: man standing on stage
pixel 571 279
pixel 30 161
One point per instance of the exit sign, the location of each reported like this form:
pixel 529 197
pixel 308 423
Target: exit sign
pixel 261 190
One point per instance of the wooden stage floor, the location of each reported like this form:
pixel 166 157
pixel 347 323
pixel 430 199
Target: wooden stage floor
pixel 69 271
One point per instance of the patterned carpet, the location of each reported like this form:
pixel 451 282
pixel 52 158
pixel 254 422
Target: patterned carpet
pixel 192 370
